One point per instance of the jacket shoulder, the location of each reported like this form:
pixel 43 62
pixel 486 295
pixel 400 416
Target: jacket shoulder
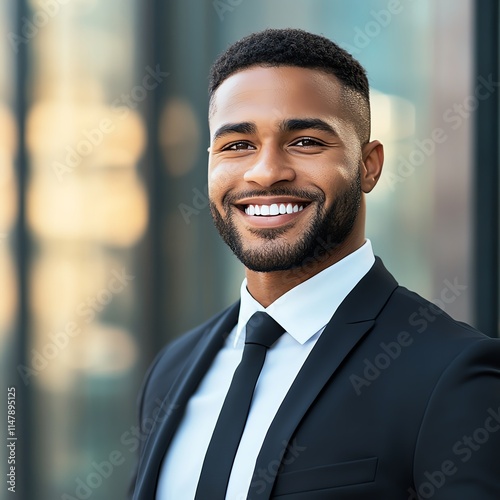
pixel 424 317
pixel 170 360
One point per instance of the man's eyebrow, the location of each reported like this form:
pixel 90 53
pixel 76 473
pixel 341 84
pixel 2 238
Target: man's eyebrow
pixel 235 128
pixel 297 124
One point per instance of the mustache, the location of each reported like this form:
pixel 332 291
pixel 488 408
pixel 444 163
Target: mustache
pixel 231 198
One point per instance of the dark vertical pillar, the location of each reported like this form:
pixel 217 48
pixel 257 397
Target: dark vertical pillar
pixel 153 256
pixel 486 168
pixel 179 34
pixel 183 271
pixel 24 421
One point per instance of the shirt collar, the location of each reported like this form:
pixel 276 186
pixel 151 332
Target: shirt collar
pixel 307 308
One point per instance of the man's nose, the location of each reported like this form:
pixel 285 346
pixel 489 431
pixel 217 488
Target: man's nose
pixel 271 165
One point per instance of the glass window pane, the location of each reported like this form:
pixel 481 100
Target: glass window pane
pixel 87 211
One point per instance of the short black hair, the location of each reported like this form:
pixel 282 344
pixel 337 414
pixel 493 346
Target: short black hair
pixel 295 47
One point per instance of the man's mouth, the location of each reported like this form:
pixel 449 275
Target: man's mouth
pixel 271 211
pixel 274 209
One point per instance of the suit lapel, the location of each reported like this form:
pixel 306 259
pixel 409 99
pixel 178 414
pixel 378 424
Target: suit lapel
pixel 352 321
pixel 182 389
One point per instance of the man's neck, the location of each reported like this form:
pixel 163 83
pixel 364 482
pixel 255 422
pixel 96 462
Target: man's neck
pixel 265 288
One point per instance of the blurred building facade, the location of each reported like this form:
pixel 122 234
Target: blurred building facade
pixel 107 249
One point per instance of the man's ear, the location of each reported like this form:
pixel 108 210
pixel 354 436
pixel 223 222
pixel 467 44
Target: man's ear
pixel 371 167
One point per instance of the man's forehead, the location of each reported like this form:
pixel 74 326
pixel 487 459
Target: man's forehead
pixel 276 91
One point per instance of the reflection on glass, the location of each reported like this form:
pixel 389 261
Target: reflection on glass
pixel 8 214
pixel 87 209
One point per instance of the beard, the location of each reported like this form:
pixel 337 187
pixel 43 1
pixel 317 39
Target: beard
pixel 327 230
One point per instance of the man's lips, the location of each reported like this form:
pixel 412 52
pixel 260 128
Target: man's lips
pixel 271 211
pixel 271 206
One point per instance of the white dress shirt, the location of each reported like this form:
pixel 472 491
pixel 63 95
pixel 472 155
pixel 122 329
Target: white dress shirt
pixel 303 312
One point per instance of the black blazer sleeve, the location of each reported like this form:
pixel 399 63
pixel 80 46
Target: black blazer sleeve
pixel 457 453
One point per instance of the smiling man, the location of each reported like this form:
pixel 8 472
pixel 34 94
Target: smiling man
pixel 287 169
pixel 317 383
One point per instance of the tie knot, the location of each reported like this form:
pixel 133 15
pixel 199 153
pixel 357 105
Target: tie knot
pixel 263 330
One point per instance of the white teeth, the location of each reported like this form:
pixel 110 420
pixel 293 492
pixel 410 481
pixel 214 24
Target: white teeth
pixel 272 210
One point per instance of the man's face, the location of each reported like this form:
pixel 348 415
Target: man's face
pixel 284 167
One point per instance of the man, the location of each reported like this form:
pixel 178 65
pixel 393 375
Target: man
pixel 371 392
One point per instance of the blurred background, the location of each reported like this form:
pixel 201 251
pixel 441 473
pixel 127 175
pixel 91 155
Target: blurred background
pixel 107 249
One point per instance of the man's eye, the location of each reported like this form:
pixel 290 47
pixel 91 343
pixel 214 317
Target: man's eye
pixel 307 142
pixel 238 146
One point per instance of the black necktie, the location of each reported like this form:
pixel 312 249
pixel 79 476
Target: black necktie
pixel 261 333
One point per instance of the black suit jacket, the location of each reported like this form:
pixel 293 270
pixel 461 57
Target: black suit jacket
pixel 396 401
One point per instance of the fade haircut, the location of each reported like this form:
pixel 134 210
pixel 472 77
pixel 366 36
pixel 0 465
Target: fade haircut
pixel 295 47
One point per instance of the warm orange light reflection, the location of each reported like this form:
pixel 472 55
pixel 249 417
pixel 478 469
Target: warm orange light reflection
pixel 8 214
pixel 393 118
pixel 179 136
pixel 104 350
pixel 8 191
pixel 99 350
pixel 72 285
pixel 80 136
pixel 393 124
pixel 109 207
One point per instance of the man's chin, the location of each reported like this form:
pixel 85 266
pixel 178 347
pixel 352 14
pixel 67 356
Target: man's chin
pixel 265 267
pixel 269 260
